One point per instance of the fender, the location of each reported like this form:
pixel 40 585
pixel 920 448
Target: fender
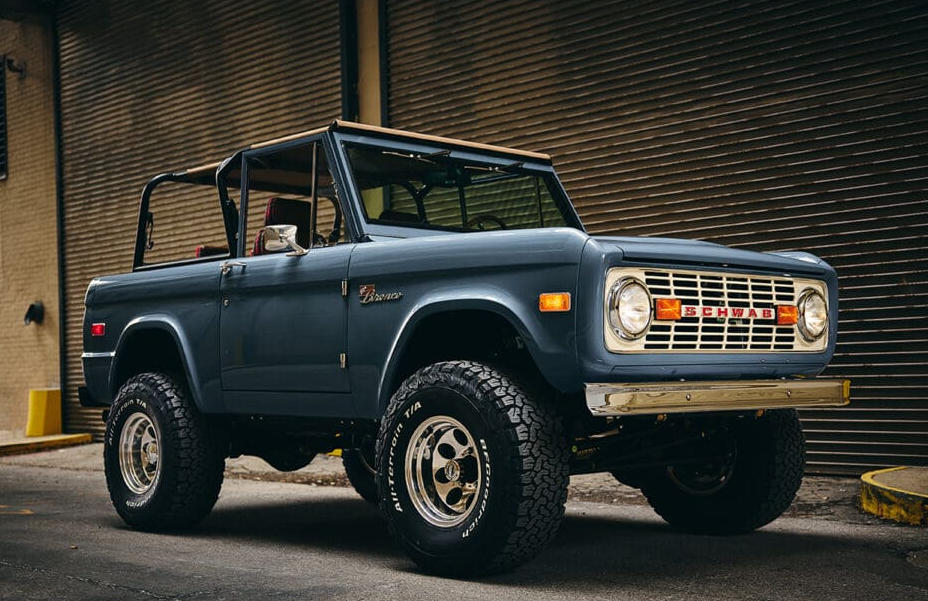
pixel 167 323
pixel 553 349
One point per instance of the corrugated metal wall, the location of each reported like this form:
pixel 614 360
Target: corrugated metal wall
pixel 164 85
pixel 762 125
pixel 3 137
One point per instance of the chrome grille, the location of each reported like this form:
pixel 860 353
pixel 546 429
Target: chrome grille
pixel 720 333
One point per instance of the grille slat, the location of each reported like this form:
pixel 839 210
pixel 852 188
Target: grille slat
pixel 720 333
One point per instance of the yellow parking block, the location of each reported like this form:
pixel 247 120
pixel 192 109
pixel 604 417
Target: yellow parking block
pixel 44 412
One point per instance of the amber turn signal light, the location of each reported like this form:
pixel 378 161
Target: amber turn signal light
pixel 668 309
pixel 787 315
pixel 554 302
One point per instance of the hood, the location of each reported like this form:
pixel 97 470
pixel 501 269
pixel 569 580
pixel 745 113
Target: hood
pixel 697 253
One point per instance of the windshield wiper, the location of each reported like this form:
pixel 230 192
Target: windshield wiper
pixel 496 168
pixel 425 158
pixel 510 166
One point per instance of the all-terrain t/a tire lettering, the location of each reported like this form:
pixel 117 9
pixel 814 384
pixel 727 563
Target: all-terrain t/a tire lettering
pixel 164 462
pixel 473 471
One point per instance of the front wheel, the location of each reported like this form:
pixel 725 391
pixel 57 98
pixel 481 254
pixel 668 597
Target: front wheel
pixel 749 486
pixel 163 461
pixel 473 471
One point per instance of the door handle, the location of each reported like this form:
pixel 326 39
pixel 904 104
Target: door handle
pixel 226 267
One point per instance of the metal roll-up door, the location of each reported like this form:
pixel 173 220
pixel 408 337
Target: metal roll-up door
pixel 159 86
pixel 767 125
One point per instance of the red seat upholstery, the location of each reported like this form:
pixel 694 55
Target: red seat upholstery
pixel 207 250
pixel 286 211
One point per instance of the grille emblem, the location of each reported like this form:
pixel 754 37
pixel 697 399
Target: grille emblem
pixel 728 312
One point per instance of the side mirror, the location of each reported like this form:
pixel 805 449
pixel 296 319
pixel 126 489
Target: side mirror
pixel 282 237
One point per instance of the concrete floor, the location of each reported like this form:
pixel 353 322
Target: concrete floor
pixel 60 538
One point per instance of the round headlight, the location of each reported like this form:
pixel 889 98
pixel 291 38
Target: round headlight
pixel 630 308
pixel 813 315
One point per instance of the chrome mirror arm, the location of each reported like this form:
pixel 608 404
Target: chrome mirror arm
pixel 280 237
pixel 298 251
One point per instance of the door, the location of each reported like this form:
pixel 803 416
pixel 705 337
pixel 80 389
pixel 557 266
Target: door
pixel 283 325
pixel 284 322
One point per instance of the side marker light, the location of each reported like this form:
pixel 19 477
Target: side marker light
pixel 554 302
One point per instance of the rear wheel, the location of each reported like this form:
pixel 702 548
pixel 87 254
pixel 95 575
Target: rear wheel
pixel 748 486
pixel 473 471
pixel 163 461
pixel 359 468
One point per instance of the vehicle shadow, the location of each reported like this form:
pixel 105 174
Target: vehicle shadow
pixel 600 552
pixel 349 525
pixel 619 545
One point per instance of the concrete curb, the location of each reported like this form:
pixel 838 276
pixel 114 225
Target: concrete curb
pixel 42 443
pixel 892 502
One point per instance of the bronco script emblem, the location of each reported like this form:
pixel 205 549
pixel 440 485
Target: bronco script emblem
pixel 368 295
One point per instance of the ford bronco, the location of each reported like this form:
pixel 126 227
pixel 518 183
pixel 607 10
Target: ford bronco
pixel 436 309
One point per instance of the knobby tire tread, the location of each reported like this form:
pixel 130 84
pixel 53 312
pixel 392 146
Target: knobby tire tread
pixel 198 472
pixel 537 457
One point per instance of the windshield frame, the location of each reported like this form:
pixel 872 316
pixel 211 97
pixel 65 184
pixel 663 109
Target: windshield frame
pixel 530 166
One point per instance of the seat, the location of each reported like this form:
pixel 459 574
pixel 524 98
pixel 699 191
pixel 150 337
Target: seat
pixel 209 250
pixel 286 211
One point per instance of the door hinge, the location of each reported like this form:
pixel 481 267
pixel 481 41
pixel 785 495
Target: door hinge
pixel 345 288
pixel 343 360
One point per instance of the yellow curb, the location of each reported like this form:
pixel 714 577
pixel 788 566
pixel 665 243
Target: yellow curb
pixel 891 503
pixel 43 443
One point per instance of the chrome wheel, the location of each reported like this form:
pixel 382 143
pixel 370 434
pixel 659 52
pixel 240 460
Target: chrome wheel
pixel 443 473
pixel 138 453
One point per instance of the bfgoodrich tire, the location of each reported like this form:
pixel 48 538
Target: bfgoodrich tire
pixel 163 462
pixel 361 472
pixel 473 471
pixel 753 488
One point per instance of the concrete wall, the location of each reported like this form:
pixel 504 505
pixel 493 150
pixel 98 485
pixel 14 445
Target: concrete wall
pixel 28 242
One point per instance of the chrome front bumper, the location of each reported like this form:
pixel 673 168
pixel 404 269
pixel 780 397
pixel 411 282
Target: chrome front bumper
pixel 728 395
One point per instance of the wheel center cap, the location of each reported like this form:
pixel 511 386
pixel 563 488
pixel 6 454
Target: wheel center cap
pixel 151 452
pixel 452 471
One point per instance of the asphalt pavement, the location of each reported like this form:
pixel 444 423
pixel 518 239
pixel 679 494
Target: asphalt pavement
pixel 313 539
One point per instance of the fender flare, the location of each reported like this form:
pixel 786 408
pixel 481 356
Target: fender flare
pixel 428 308
pixel 166 323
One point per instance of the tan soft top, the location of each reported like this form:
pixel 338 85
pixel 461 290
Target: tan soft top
pixel 205 173
pixel 340 125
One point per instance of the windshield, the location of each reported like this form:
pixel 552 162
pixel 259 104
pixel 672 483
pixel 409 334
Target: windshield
pixel 436 191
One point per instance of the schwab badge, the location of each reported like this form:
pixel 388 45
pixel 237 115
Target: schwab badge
pixel 369 295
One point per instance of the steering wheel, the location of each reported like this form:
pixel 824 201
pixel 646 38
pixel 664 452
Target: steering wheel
pixel 480 219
